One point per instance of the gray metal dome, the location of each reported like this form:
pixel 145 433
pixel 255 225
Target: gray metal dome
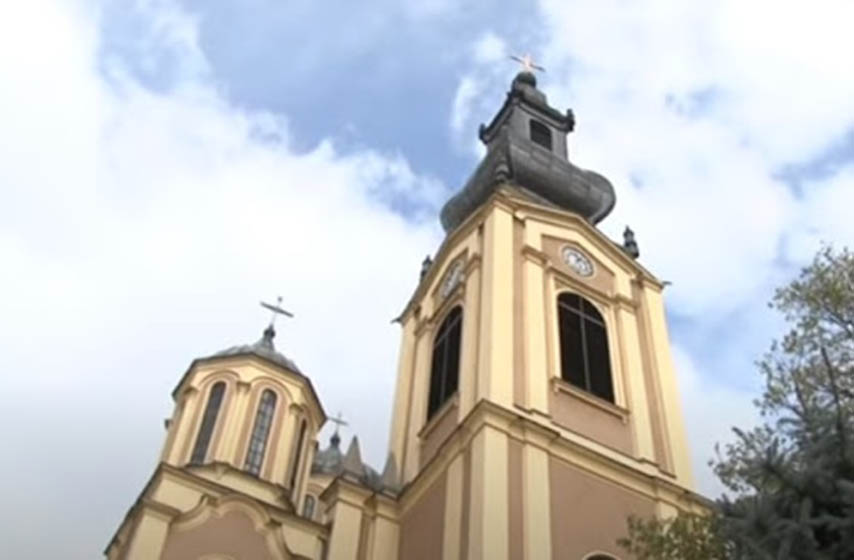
pixel 263 348
pixel 526 145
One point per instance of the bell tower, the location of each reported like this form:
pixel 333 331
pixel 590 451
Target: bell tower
pixel 535 392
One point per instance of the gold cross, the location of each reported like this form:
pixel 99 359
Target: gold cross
pixel 527 63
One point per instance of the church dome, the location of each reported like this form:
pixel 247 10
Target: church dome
pixel 526 147
pixel 263 348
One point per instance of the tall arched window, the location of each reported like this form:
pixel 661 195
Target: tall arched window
pixel 203 440
pixel 445 370
pixel 297 456
pixel 260 432
pixel 585 361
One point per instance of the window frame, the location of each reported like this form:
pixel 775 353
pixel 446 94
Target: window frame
pixel 207 425
pixel 256 448
pixel 540 134
pixel 439 391
pixel 585 321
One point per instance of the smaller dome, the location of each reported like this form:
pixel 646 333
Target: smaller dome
pixel 263 348
pixel 329 460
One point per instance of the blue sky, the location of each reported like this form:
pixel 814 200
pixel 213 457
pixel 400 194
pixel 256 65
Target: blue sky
pixel 165 164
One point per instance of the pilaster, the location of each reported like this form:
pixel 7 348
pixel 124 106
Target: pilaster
pixel 536 496
pixel 489 504
pixel 149 535
pixel 347 504
pixel 453 509
pixel 495 370
pixel 235 417
pixel 629 348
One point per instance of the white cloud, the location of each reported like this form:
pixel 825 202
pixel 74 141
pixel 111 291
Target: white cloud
pixel 489 49
pixel 691 110
pixel 138 231
pixel 467 92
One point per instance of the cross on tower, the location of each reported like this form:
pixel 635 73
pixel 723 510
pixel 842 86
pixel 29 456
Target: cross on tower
pixel 527 63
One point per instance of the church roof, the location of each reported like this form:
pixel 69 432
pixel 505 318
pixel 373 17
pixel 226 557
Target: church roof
pixel 263 348
pixel 526 146
pixel 331 461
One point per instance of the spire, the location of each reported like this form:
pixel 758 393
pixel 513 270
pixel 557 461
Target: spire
pixel 389 479
pixel 352 463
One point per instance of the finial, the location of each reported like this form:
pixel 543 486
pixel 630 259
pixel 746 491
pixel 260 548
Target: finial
pixel 335 440
pixel 630 246
pixel 425 266
pixel 270 331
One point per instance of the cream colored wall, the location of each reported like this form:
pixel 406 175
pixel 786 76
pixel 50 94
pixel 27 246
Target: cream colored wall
pixel 499 271
pixel 246 378
pixel 419 322
pixel 176 500
pixel 633 304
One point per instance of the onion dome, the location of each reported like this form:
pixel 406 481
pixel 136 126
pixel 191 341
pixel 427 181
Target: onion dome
pixel 526 146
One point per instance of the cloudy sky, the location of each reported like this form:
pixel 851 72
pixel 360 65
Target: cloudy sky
pixel 165 164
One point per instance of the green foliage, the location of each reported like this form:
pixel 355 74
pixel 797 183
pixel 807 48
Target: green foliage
pixel 682 537
pixel 791 477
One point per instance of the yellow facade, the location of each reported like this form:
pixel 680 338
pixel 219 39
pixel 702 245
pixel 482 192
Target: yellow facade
pixel 516 464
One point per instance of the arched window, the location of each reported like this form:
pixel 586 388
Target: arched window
pixel 445 370
pixel 540 134
pixel 584 357
pixel 297 456
pixel 203 440
pixel 308 507
pixel 260 432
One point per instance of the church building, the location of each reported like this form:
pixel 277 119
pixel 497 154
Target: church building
pixel 536 405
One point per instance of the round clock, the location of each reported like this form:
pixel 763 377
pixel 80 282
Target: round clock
pixel 452 279
pixel 577 261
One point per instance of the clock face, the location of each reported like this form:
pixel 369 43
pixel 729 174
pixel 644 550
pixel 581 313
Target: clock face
pixel 452 279
pixel 576 260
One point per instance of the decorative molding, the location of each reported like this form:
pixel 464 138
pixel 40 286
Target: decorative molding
pixel 535 255
pixel 561 386
pixel 444 410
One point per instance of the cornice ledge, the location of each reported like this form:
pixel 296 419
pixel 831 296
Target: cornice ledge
pixel 535 255
pixel 561 386
pixel 346 490
pixel 625 302
pixel 159 509
pixel 444 410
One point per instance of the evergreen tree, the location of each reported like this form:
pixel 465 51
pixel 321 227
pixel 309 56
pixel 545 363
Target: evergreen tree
pixel 792 477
